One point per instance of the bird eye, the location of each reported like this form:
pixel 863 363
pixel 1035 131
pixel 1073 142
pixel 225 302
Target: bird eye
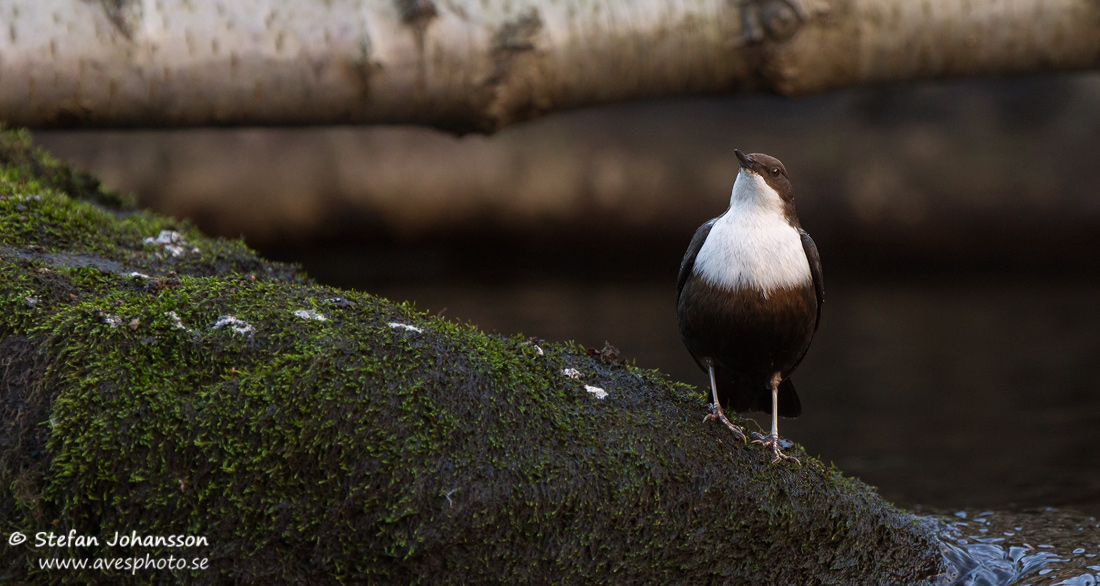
pixel 775 171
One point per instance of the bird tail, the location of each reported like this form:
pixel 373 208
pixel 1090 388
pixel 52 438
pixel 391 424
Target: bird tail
pixel 741 395
pixel 789 405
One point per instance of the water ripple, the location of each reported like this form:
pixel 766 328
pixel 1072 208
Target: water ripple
pixel 1047 547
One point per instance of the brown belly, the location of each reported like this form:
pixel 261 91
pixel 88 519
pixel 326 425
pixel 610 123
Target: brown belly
pixel 752 336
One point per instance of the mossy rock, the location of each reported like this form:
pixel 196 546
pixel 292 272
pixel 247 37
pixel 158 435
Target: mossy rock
pixel 316 435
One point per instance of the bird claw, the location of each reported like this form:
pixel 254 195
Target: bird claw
pixel 773 442
pixel 720 416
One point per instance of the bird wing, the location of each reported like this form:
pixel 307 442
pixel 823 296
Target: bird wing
pixel 814 257
pixel 693 250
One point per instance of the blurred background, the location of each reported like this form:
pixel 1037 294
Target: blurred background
pixel 958 222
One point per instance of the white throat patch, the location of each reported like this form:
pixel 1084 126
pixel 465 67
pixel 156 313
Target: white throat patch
pixel 752 244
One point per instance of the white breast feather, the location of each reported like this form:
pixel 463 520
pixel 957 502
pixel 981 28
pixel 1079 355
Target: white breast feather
pixel 752 244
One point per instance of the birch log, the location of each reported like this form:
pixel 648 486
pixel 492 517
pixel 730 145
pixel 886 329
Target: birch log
pixel 479 65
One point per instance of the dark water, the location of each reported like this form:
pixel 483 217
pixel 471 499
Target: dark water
pixel 949 392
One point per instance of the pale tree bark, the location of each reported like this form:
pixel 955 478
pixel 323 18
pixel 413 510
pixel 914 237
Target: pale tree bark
pixel 479 65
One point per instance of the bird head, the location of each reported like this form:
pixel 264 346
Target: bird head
pixel 763 181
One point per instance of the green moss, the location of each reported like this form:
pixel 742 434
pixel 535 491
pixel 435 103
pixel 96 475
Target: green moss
pixel 353 450
pixel 21 160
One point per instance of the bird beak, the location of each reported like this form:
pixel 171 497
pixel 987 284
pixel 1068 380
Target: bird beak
pixel 745 164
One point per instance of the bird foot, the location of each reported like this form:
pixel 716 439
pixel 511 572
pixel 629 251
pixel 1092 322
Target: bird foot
pixel 773 442
pixel 721 416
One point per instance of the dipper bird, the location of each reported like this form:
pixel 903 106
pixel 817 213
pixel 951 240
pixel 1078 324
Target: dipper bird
pixel 749 297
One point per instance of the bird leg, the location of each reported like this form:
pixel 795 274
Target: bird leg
pixel 772 439
pixel 716 407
